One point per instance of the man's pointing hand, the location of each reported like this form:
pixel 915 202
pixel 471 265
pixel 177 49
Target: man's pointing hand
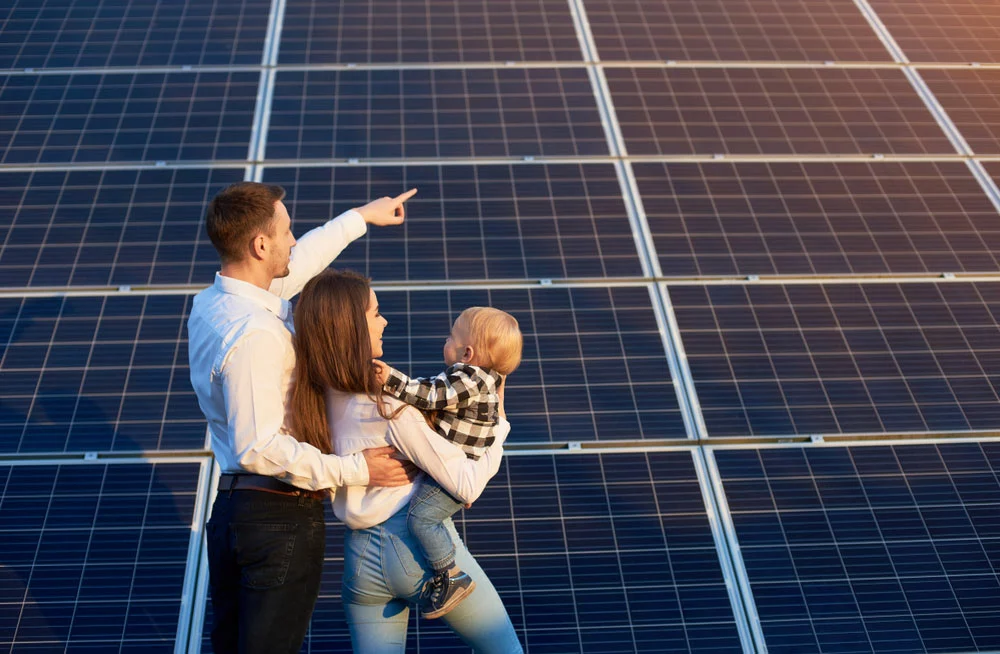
pixel 386 211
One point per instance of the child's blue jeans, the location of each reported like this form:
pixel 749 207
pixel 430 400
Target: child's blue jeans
pixel 429 508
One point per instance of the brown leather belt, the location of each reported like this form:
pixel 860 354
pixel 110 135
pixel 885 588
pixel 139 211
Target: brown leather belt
pixel 229 483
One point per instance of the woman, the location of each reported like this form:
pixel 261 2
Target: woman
pixel 336 396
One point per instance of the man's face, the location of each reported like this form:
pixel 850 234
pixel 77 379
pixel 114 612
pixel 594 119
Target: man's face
pixel 281 240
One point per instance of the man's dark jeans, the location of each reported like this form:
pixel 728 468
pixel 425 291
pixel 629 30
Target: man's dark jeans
pixel 265 557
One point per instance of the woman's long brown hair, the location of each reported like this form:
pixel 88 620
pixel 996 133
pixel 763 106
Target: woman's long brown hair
pixel 332 350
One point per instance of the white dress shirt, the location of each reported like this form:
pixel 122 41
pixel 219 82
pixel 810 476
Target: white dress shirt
pixel 355 425
pixel 241 358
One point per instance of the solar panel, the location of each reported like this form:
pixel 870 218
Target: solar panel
pixel 475 222
pixel 386 31
pixel 82 374
pixel 434 113
pixel 125 117
pixel 972 103
pixel 94 555
pixel 108 227
pixel 68 33
pixel 594 366
pixel 590 553
pixel 869 548
pixel 949 31
pixel 843 358
pixel 669 111
pixel 744 30
pixel 818 218
pixel 468 222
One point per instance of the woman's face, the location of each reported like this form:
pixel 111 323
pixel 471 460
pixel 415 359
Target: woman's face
pixel 376 325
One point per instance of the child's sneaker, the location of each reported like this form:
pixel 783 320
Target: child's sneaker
pixel 444 592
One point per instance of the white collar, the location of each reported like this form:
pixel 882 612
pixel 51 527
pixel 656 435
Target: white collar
pixel 280 307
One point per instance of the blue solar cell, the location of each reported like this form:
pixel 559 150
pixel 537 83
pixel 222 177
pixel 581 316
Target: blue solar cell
pixel 109 227
pixel 74 34
pixel 94 555
pixel 126 117
pixel 594 367
pixel 96 374
pixel 427 31
pixel 818 218
pixel 475 222
pixel 768 111
pixel 607 552
pixel 842 358
pixel 907 562
pixel 390 114
pixel 746 30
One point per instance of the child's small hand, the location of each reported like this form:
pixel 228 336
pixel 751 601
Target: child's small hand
pixel 382 371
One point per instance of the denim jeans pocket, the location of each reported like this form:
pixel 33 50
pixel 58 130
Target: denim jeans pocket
pixel 355 549
pixel 264 552
pixel 407 558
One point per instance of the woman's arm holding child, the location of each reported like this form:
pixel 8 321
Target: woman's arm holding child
pixel 462 477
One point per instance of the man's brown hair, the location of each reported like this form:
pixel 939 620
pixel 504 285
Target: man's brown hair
pixel 237 214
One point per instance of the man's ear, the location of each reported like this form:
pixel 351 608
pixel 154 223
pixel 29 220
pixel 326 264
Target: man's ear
pixel 258 247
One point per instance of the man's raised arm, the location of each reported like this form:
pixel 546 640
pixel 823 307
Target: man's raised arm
pixel 318 247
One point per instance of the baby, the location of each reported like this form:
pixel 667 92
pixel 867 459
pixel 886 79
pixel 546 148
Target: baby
pixel 463 406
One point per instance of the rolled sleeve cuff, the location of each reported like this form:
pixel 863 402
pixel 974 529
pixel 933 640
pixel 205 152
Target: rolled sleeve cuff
pixel 395 381
pixel 354 470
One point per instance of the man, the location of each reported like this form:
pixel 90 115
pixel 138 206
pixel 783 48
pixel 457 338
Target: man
pixel 266 536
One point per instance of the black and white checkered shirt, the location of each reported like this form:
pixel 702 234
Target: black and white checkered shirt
pixel 463 399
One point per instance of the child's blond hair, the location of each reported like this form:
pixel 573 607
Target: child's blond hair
pixel 494 336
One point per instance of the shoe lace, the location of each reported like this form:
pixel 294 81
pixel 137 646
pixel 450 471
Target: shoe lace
pixel 438 586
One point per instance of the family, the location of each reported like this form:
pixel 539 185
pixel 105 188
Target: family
pixel 301 408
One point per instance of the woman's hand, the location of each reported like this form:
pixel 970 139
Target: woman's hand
pixel 384 470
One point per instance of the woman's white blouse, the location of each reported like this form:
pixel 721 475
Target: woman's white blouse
pixel 355 425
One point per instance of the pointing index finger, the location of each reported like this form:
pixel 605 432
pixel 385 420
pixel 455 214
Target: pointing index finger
pixel 400 199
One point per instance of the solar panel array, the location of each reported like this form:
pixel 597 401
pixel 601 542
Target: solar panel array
pixel 887 548
pixel 96 557
pixel 747 241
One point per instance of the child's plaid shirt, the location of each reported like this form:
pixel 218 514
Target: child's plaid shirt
pixel 464 400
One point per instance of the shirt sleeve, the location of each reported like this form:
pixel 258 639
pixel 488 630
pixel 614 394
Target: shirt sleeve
pixel 255 412
pixel 317 248
pixel 461 476
pixel 452 389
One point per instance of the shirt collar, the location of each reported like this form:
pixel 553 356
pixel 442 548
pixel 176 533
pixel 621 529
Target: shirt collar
pixel 276 305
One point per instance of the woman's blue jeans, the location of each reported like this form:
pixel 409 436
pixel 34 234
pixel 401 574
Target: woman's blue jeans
pixel 384 572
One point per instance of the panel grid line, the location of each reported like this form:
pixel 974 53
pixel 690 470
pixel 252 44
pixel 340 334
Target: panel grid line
pixel 511 160
pixel 882 32
pixel 727 556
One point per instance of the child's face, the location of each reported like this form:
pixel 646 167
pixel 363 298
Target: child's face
pixel 456 348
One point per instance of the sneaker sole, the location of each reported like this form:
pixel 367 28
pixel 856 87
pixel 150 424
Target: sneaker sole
pixel 455 601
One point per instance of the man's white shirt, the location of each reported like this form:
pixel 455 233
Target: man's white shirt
pixel 241 358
